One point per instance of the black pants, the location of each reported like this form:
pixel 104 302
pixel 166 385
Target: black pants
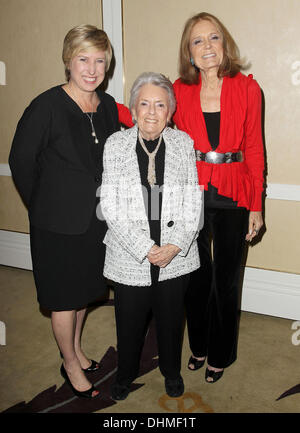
pixel 132 308
pixel 213 293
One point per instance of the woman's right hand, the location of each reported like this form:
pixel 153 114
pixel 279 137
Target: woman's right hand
pixel 255 224
pixel 155 249
pixel 162 256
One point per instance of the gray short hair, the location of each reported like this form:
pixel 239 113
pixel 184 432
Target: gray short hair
pixel 157 80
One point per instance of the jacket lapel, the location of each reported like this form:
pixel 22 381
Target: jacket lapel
pixel 131 174
pixel 172 163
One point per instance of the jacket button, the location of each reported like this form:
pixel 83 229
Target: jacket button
pixel 97 178
pixel 170 223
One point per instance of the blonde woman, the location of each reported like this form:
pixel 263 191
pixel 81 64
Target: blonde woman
pixel 56 162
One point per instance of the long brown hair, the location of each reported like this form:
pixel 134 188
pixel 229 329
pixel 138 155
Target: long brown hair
pixel 231 63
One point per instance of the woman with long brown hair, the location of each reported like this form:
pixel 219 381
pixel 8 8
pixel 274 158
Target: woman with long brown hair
pixel 220 108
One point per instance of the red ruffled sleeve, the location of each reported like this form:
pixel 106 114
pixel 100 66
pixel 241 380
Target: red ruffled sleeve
pixel 124 115
pixel 253 144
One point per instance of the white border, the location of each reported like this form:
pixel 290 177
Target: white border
pixel 5 170
pixel 15 250
pixel 112 25
pixel 272 293
pixel 278 191
pixel 2 74
pixel 264 292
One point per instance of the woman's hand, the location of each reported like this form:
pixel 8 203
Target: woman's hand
pixel 154 250
pixel 255 224
pixel 162 256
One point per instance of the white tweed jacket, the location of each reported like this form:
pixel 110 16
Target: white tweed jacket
pixel 122 205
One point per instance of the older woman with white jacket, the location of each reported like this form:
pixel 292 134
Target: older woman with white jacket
pixel 152 203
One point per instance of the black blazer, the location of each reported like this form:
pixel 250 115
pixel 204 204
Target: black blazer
pixel 51 162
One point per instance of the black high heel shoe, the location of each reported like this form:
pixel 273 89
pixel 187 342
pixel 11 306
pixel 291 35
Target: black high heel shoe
pixel 214 375
pixel 95 366
pixel 196 363
pixel 81 394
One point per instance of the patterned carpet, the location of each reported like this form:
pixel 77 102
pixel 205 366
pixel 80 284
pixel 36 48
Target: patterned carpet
pixel 265 378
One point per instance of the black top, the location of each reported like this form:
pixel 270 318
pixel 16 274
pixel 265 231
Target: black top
pixel 211 197
pixel 51 161
pixel 212 121
pixel 152 196
pixel 96 149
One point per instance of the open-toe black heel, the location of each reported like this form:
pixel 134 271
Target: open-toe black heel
pixel 196 363
pixel 214 375
pixel 93 367
pixel 81 394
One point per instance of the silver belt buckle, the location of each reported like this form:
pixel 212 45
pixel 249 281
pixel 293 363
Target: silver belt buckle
pixel 219 158
pixel 214 157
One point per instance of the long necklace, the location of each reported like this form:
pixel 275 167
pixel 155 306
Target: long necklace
pixel 94 135
pixel 151 164
pixel 93 129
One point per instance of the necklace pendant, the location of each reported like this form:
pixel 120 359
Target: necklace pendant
pixel 96 140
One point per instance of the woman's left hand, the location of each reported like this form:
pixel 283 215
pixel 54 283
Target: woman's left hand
pixel 163 255
pixel 255 224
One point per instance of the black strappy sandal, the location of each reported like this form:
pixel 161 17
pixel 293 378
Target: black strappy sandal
pixel 196 363
pixel 93 367
pixel 214 375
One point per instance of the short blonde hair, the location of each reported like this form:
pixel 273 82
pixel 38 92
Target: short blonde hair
pixel 85 37
pixel 231 63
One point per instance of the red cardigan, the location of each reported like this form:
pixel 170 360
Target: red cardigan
pixel 240 129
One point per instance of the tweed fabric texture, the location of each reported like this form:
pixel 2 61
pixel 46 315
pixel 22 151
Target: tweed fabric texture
pixel 128 237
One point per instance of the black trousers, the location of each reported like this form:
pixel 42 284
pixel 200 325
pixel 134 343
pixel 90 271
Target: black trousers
pixel 132 308
pixel 213 293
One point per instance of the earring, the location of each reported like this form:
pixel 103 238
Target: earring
pixel 192 61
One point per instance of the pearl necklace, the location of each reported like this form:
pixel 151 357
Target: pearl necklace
pixel 151 177
pixel 93 129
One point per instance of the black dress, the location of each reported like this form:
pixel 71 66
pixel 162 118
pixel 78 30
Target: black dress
pixel 68 266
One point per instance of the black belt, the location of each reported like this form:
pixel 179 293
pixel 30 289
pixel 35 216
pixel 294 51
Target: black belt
pixel 219 158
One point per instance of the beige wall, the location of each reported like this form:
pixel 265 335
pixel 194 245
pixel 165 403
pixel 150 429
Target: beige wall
pixel 267 32
pixel 268 35
pixel 31 34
